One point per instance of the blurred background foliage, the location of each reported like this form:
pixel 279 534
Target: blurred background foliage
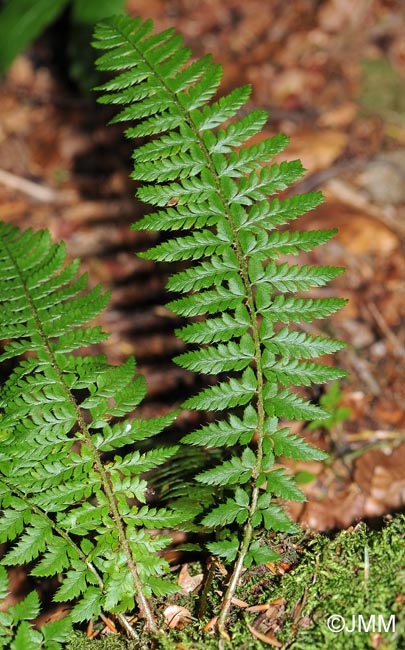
pixel 22 21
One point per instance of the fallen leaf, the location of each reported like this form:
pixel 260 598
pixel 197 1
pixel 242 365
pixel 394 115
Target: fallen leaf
pixel 275 604
pixel 238 602
pixel 269 640
pixel 177 616
pixel 293 86
pixel 359 232
pixel 316 149
pixel 109 624
pixel 211 625
pixel 258 608
pixel 90 630
pixel 340 116
pixel 187 582
pixel 389 411
pixel 52 614
pixel 381 479
pixel 339 15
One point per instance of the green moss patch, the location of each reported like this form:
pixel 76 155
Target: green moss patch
pixel 357 577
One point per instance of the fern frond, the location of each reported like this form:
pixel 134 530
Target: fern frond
pixel 292 446
pixel 216 329
pixel 292 278
pixel 270 214
pixel 17 628
pixel 215 188
pixel 225 514
pixel 298 373
pixel 296 344
pixel 59 409
pixel 202 214
pixel 31 543
pixel 193 247
pixel 236 470
pixel 205 275
pixel 226 433
pixel 288 405
pixel 286 243
pixel 290 309
pixel 225 394
pixel 250 158
pixel 236 133
pixel 222 358
pixel 207 302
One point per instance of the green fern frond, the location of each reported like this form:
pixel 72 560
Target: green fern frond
pixel 223 328
pixel 291 343
pixel 226 432
pixel 214 190
pixel 61 413
pixel 295 310
pixel 221 358
pixel 292 446
pixel 16 623
pixel 226 394
pixel 234 471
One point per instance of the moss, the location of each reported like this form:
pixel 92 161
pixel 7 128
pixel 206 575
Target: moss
pixel 355 573
pixel 80 641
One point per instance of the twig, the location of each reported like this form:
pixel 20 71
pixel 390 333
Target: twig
pixel 204 595
pixel 361 367
pixel 385 328
pixel 34 190
pixel 87 212
pixel 127 627
pixel 316 179
pixel 348 194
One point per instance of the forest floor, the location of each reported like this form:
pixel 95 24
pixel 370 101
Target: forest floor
pixel 331 74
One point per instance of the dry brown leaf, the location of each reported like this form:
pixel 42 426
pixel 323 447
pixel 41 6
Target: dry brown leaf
pixel 239 603
pixel 269 640
pixel 381 478
pixel 90 630
pixel 335 512
pixel 383 179
pixel 177 616
pixel 358 232
pixel 16 582
pixel 109 624
pixel 293 86
pixel 340 116
pixel 342 15
pixel 316 149
pixel 187 582
pixel 211 625
pixel 52 614
pixel 258 608
pixel 378 487
pixel 275 604
pixel 389 411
